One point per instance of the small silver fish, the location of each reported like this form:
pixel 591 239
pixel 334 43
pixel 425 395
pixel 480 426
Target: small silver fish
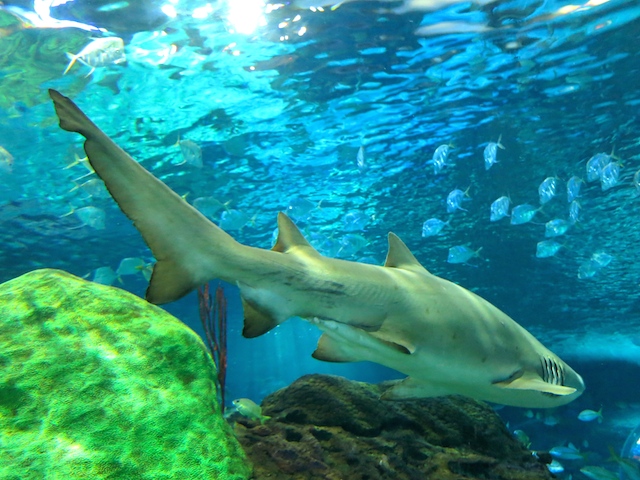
pixel 93 217
pixel 130 266
pixel 455 199
pixel 610 175
pixel 548 189
pixel 547 248
pixel 491 153
pixel 360 159
pixel 350 244
pixel 574 211
pixel 355 221
pixel 209 206
pixel 94 187
pixel 191 153
pixel 556 227
pixel 432 227
pixel 523 214
pixel 99 53
pixel 299 208
pixel 588 269
pixel 636 181
pixel 462 254
pixel 602 259
pixel 500 208
pixel 595 166
pixel 104 276
pixel 573 188
pixel 440 157
pixel 233 220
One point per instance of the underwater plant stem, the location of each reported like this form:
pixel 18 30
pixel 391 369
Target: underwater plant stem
pixel 213 315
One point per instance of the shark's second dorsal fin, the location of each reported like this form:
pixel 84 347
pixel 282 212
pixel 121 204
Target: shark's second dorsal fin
pixel 289 236
pixel 399 256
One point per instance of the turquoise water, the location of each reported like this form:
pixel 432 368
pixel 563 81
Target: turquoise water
pixel 334 115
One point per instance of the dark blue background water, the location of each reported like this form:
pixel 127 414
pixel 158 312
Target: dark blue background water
pixel 280 114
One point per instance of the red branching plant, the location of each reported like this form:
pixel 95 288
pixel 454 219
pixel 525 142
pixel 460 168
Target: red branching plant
pixel 213 315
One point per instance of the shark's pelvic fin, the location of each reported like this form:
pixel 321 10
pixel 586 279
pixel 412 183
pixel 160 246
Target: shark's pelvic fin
pixel 257 321
pixel 399 255
pixel 290 237
pixel 169 280
pixel 531 381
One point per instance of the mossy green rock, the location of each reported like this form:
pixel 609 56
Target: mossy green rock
pixel 96 383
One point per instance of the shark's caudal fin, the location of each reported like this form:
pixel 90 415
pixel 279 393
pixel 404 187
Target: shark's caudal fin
pixel 189 249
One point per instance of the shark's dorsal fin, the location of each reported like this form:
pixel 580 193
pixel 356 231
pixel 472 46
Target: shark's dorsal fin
pixel 399 255
pixel 532 381
pixel 289 236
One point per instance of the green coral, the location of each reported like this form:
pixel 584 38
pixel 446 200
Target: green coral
pixel 96 383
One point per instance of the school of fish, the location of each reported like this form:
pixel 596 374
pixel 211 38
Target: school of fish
pixel 602 167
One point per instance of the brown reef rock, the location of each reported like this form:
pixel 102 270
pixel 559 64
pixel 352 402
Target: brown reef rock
pixel 325 427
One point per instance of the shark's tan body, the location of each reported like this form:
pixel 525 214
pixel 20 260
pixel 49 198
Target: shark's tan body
pixel 447 339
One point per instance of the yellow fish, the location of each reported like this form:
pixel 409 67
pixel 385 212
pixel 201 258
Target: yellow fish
pixel 250 409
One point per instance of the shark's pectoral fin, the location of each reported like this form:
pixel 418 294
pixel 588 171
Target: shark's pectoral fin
pixel 412 388
pixel 530 381
pixel 346 343
pixel 263 310
pixel 331 350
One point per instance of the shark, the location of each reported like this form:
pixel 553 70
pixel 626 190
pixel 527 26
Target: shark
pixel 445 338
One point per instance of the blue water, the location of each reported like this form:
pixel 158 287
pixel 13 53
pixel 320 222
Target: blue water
pixel 280 114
